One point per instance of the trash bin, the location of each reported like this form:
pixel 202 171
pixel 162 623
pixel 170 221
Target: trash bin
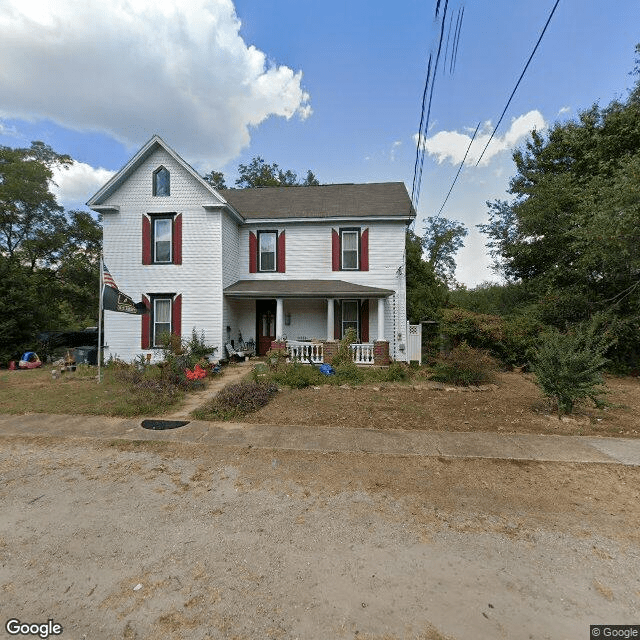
pixel 86 355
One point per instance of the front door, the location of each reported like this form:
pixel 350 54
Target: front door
pixel 266 324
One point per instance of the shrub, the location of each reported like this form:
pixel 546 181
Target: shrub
pixel 508 339
pixel 347 372
pixel 146 392
pixel 396 372
pixel 297 375
pixel 344 355
pixel 465 366
pixel 568 365
pixel 237 400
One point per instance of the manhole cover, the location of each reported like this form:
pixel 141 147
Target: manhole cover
pixel 159 425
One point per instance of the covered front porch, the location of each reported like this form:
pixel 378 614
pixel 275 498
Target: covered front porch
pixel 309 317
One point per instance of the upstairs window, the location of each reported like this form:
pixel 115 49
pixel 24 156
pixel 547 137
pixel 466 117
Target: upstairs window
pixel 161 182
pixel 162 239
pixel 350 241
pixel 350 249
pixel 267 242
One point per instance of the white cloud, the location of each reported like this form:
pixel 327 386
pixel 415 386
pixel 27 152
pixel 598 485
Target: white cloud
pixel 131 68
pixel 394 147
pixel 564 110
pixel 451 145
pixel 73 186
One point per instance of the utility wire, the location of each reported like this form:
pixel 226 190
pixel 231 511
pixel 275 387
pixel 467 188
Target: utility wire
pixel 459 169
pixel 526 66
pixel 417 178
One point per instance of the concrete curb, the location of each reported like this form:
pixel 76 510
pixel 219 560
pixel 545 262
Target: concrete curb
pixel 547 448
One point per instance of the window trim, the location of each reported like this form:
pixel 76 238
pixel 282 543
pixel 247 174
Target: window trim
pixel 357 230
pixel 155 182
pixel 156 297
pixel 259 252
pixel 156 218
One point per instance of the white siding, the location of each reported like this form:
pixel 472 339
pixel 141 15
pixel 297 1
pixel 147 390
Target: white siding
pixel 198 278
pixel 309 257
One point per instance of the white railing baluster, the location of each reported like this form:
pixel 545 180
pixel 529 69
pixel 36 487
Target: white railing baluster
pixel 305 352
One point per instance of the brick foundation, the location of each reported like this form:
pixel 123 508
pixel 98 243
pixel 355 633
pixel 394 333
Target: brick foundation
pixel 278 345
pixel 330 350
pixel 381 354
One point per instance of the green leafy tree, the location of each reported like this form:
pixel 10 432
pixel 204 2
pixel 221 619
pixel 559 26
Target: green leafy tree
pixel 570 233
pixel 215 179
pixel 48 259
pixel 259 173
pixel 441 241
pixel 425 292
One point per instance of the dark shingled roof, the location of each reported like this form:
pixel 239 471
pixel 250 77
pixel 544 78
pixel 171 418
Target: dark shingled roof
pixel 326 201
pixel 303 289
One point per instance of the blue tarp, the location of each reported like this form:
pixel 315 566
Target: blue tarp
pixel 326 369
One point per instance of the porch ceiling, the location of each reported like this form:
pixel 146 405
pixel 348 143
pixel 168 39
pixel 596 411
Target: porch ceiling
pixel 303 289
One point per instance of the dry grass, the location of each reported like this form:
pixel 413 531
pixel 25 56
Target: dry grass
pixel 77 393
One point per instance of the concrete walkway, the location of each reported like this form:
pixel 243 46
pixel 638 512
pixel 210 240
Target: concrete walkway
pixel 551 448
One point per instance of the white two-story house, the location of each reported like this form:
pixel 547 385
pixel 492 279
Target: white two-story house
pixel 298 265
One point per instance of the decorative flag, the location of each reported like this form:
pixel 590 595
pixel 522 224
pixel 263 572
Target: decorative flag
pixel 114 300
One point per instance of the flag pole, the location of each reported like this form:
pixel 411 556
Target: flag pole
pixel 100 322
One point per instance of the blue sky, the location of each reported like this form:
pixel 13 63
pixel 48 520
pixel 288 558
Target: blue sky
pixel 330 86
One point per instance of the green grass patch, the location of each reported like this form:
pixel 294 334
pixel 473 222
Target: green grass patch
pixel 79 393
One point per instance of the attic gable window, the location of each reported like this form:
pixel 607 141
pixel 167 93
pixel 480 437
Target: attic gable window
pixel 161 182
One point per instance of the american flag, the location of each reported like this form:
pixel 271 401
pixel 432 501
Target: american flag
pixel 107 278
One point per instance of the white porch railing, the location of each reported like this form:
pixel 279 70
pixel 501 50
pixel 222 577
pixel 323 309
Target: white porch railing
pixel 305 352
pixel 362 353
pixel 314 352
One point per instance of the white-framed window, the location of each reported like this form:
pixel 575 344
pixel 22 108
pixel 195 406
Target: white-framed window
pixel 350 317
pixel 267 248
pixel 161 182
pixel 162 239
pixel 161 325
pixel 350 249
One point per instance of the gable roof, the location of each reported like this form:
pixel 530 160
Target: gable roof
pixel 383 199
pixel 116 181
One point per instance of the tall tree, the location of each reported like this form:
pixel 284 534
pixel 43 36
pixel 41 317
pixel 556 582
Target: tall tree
pixel 442 240
pixel 570 233
pixel 426 293
pixel 215 179
pixel 259 173
pixel 48 260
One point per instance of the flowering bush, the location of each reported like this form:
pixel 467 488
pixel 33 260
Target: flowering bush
pixel 197 374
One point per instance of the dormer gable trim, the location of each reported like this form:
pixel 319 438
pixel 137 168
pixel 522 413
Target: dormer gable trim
pixel 119 178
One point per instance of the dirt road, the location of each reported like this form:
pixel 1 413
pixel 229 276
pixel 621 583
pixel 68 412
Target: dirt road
pixel 117 540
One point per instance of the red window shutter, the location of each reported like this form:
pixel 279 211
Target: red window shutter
pixel 146 240
pixel 364 321
pixel 337 320
pixel 253 252
pixel 281 253
pixel 364 250
pixel 335 250
pixel 176 316
pixel 177 239
pixel 145 333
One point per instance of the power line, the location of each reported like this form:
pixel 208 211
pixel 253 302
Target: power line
pixel 459 169
pixel 526 66
pixel 424 122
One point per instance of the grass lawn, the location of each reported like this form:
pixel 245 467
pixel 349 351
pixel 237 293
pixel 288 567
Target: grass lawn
pixel 36 391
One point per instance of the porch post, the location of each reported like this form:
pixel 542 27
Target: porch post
pixel 380 319
pixel 279 318
pixel 330 307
